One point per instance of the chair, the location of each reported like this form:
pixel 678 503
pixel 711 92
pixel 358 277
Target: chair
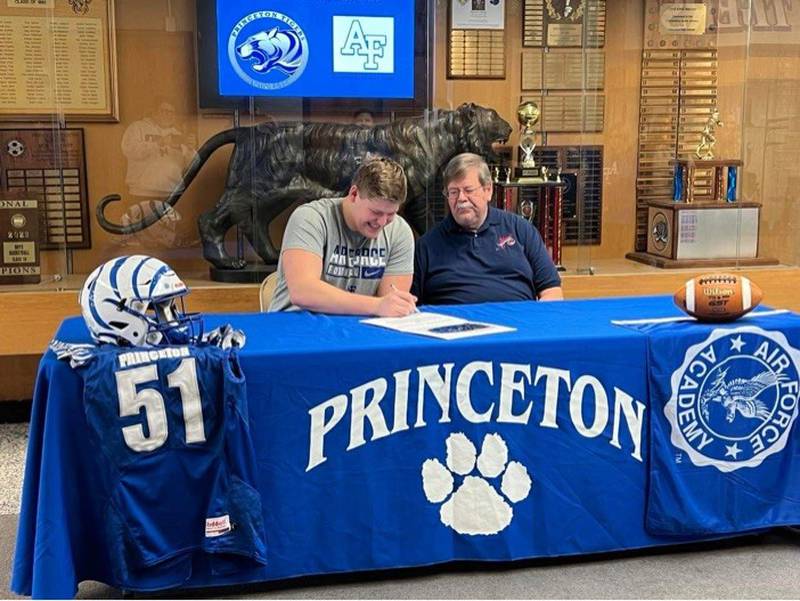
pixel 266 290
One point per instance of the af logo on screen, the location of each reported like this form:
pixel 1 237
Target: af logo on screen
pixel 363 44
pixel 268 50
pixel 734 398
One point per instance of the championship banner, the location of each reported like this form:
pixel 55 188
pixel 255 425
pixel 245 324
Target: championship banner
pixel 724 443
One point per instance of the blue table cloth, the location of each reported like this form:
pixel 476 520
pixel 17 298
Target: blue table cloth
pixel 724 444
pixel 377 449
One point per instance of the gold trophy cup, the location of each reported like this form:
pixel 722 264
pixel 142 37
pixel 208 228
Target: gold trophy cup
pixel 527 115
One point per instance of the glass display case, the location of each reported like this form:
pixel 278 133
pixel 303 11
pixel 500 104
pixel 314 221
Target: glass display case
pixel 189 130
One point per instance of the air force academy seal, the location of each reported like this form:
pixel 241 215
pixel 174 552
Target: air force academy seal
pixel 734 399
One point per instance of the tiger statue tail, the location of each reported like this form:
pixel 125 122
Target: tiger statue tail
pixel 201 156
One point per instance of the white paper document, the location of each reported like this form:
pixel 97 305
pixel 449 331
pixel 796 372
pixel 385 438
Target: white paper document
pixel 437 325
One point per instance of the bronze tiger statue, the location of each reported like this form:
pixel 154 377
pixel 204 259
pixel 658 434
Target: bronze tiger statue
pixel 274 165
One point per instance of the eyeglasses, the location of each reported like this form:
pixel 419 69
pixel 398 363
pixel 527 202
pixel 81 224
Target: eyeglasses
pixel 454 193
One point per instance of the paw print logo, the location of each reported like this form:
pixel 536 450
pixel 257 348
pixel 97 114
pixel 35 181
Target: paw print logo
pixel 475 506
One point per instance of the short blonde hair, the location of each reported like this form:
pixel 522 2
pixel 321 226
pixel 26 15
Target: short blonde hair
pixel 381 178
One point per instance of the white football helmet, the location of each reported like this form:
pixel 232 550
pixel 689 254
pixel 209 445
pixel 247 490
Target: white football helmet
pixel 131 301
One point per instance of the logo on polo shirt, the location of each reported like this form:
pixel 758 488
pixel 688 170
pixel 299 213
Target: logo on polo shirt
pixel 505 241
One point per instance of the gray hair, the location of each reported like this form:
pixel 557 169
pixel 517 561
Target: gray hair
pixel 461 163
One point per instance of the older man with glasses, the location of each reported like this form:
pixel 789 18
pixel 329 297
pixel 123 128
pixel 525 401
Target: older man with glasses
pixel 479 253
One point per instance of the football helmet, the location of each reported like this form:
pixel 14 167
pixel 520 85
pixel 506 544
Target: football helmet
pixel 137 301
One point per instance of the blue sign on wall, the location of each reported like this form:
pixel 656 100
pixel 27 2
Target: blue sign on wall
pixel 316 48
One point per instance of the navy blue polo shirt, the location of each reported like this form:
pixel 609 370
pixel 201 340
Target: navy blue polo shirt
pixel 505 260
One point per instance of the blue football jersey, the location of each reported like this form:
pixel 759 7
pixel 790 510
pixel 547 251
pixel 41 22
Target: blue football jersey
pixel 171 425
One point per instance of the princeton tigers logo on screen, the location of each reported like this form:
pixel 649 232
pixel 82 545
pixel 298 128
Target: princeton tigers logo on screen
pixel 734 399
pixel 268 50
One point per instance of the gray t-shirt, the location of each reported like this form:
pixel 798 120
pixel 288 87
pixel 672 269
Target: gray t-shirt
pixel 350 261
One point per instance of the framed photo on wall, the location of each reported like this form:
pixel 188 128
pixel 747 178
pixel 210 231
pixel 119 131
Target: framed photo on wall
pixel 476 46
pixel 58 58
pixel 477 14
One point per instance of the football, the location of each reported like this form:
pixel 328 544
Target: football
pixel 718 296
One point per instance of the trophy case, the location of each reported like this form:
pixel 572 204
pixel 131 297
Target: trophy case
pixel 120 97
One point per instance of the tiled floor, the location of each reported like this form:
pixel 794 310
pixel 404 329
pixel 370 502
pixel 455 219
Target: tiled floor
pixel 13 443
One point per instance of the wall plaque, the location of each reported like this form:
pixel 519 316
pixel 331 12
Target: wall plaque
pixel 564 23
pixel 50 165
pixel 532 66
pixel 58 58
pixel 476 54
pixel 533 23
pixel 19 240
pixel 567 69
pixel 687 19
pixel 570 112
pixel 678 91
pixel 477 14
pixel 678 24
pixel 581 171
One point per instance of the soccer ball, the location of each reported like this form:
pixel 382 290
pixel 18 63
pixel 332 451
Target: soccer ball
pixel 15 148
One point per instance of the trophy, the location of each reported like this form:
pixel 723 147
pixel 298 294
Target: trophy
pixel 528 116
pixel 705 149
pixel 685 178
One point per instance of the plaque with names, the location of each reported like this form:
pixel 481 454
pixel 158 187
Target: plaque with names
pixel 574 70
pixel 564 23
pixel 565 69
pixel 532 67
pixel 58 58
pixel 19 239
pixel 677 94
pixel 570 112
pixel 49 165
pixel 595 23
pixel 533 23
pixel 476 54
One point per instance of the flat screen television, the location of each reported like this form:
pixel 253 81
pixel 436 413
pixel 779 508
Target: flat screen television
pixel 360 52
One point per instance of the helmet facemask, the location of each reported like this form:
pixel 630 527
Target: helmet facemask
pixel 168 322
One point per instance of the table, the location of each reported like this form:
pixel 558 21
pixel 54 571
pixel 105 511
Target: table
pixel 352 425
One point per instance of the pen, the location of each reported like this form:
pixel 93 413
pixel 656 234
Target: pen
pixel 396 290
